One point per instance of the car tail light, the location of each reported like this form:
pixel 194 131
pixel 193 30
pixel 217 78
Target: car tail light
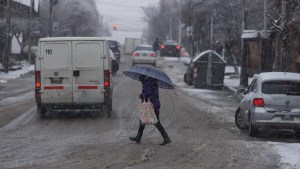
pixel 37 79
pixel 136 54
pixel 162 46
pixel 177 46
pixel 153 54
pixel 106 79
pixel 258 102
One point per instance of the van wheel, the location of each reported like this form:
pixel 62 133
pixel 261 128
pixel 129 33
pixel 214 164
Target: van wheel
pixel 41 111
pixel 108 108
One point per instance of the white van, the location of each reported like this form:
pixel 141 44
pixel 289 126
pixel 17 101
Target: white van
pixel 73 73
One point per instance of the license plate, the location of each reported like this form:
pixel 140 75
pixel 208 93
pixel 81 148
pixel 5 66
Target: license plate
pixel 287 118
pixel 144 54
pixel 56 80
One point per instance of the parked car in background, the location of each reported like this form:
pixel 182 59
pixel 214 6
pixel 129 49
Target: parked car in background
pixel 271 101
pixel 170 48
pixel 114 46
pixel 144 54
pixel 114 63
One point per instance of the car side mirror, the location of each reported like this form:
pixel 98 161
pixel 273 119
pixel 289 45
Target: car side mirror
pixel 242 91
pixel 115 65
pixel 186 63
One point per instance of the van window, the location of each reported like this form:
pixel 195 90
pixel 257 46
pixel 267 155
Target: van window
pixel 89 54
pixel 56 55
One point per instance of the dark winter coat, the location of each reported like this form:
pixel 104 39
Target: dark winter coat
pixel 150 91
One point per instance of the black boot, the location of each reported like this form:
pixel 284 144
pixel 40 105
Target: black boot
pixel 137 138
pixel 167 139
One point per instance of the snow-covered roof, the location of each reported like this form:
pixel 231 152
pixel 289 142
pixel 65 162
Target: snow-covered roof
pixel 266 76
pixel 206 52
pixel 27 3
pixel 253 34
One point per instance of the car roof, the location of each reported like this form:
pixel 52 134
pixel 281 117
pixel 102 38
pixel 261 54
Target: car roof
pixel 171 42
pixel 268 76
pixel 71 39
pixel 144 45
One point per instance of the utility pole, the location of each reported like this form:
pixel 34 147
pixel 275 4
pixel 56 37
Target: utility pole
pixel 171 38
pixel 179 28
pixel 30 30
pixel 50 17
pixel 8 42
pixel 244 61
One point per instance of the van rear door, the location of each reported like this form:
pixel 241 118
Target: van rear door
pixel 56 72
pixel 88 71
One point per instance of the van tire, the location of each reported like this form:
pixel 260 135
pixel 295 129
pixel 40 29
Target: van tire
pixel 41 112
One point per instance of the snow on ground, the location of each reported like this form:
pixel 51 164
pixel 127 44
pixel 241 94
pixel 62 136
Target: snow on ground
pixel 289 152
pixel 4 77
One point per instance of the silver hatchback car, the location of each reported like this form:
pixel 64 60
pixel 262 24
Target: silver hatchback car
pixel 144 54
pixel 271 101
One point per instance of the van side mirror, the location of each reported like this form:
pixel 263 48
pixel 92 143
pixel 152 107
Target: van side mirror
pixel 242 91
pixel 114 65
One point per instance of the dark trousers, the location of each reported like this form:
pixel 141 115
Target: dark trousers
pixel 157 125
pixel 298 67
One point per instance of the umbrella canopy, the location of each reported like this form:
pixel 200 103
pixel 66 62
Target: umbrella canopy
pixel 163 79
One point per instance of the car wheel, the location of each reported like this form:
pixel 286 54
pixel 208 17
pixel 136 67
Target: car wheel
pixel 252 130
pixel 239 120
pixel 41 111
pixel 184 78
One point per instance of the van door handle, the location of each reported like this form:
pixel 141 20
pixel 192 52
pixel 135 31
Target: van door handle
pixel 76 73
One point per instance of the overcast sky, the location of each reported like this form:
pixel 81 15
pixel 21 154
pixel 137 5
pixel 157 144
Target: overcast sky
pixel 127 14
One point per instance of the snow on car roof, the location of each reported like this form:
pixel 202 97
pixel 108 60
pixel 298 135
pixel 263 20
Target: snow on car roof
pixel 266 76
pixel 145 45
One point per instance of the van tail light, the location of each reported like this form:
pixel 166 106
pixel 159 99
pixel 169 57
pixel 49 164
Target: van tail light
pixel 162 46
pixel 38 87
pixel 258 102
pixel 106 79
pixel 37 79
pixel 136 54
pixel 177 46
pixel 153 54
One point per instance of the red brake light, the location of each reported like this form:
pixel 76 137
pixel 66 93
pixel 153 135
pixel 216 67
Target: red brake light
pixel 38 79
pixel 258 102
pixel 153 54
pixel 106 79
pixel 136 54
pixel 162 46
pixel 177 46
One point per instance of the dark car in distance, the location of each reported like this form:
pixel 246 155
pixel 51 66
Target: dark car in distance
pixel 170 48
pixel 114 46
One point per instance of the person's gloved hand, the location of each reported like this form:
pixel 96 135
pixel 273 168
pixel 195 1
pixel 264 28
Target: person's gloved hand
pixel 141 96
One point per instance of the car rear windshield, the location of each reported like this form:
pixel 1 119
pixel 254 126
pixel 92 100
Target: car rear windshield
pixel 143 48
pixel 281 87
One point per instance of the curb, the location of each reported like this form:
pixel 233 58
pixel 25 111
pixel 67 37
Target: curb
pixel 237 96
pixel 26 74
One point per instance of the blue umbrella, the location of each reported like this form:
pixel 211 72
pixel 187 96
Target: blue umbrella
pixel 163 79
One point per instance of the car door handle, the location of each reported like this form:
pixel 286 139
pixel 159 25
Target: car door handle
pixel 76 73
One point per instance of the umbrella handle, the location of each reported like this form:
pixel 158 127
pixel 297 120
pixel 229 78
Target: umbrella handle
pixel 144 97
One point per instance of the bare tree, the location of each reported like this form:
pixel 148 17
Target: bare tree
pixel 284 14
pixel 75 18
